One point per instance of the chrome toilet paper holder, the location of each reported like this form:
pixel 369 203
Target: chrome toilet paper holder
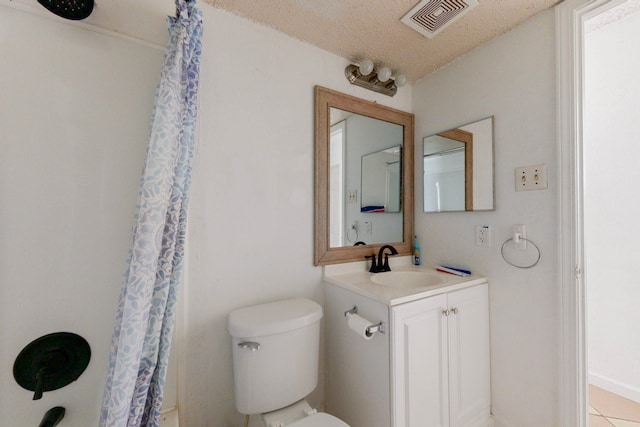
pixel 377 327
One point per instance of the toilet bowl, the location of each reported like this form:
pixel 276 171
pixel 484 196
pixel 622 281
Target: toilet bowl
pixel 275 362
pixel 320 419
pixel 300 414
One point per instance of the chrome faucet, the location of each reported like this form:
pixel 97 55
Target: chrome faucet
pixel 385 266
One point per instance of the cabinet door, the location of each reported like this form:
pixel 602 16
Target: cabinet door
pixel 419 364
pixel 469 377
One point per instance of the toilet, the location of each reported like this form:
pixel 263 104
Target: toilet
pixel 275 362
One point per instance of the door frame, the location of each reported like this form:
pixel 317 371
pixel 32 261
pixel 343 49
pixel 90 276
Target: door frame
pixel 573 392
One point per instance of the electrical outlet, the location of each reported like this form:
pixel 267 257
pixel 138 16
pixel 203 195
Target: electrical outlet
pixel 531 177
pixel 483 235
pixel 368 226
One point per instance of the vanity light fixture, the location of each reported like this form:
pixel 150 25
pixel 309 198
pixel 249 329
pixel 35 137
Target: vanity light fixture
pixel 378 80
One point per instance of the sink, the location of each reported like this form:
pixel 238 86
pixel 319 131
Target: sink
pixel 408 279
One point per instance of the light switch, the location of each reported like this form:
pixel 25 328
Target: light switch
pixel 531 177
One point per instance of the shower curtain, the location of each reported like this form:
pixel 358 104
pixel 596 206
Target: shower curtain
pixel 146 312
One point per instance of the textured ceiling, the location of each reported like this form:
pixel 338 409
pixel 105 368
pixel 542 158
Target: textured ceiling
pixel 356 29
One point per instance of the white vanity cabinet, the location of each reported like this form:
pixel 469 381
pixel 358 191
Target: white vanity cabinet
pixel 429 368
pixel 440 360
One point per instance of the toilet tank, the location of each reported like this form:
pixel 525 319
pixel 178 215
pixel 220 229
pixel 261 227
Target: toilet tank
pixel 275 353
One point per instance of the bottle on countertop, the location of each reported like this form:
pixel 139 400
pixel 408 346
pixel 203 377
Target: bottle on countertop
pixel 416 251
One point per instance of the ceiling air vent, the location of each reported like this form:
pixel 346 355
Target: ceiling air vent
pixel 429 17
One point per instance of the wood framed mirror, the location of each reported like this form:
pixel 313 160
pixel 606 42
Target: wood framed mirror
pixel 348 130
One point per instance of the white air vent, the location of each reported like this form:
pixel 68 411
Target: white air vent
pixel 429 17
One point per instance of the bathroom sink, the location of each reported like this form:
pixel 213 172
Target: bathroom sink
pixel 407 279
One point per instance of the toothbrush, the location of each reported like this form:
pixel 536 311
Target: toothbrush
pixel 458 269
pixel 451 271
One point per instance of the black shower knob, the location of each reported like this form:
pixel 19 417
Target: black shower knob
pixel 51 362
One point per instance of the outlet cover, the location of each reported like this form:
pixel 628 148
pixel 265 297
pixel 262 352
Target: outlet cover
pixel 531 177
pixel 483 235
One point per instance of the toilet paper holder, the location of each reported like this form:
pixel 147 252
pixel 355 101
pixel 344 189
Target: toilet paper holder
pixel 377 327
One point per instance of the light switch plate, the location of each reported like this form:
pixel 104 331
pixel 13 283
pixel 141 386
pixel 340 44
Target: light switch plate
pixel 520 230
pixel 531 177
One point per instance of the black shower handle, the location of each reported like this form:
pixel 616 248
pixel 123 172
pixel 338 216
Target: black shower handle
pixel 39 389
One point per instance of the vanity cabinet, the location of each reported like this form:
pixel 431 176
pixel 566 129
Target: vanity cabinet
pixel 430 366
pixel 440 360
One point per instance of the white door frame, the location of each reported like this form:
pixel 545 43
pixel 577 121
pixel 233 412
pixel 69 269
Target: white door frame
pixel 570 17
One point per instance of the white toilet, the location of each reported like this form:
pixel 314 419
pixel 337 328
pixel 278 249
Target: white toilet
pixel 275 362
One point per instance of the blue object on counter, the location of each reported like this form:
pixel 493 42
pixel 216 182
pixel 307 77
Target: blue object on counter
pixel 458 269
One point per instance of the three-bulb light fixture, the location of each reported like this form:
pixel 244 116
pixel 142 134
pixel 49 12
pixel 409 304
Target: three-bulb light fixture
pixel 377 79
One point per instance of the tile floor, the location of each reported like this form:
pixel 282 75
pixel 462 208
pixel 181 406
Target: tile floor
pixel 609 410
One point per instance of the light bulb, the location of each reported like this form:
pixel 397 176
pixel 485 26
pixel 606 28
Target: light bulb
pixel 384 74
pixel 401 80
pixel 366 67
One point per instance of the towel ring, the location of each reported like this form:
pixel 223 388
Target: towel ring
pixel 349 234
pixel 516 265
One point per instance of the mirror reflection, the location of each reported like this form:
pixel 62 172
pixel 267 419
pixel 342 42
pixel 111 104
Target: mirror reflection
pixel 363 178
pixel 458 168
pixel 364 201
pixel 381 181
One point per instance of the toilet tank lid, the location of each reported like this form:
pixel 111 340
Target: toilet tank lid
pixel 273 318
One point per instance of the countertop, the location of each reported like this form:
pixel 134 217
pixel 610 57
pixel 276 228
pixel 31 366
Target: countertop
pixel 355 277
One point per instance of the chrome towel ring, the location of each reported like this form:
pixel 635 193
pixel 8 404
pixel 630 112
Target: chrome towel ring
pixel 511 239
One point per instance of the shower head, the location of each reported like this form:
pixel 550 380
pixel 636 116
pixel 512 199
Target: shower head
pixel 69 9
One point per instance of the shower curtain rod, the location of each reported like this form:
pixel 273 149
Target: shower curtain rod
pixel 442 153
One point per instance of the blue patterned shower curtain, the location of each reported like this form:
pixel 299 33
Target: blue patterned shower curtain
pixel 146 313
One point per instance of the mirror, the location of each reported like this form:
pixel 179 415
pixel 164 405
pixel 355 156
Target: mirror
pixel 363 178
pixel 458 169
pixel 380 182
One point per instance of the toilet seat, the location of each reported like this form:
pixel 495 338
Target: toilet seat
pixel 320 419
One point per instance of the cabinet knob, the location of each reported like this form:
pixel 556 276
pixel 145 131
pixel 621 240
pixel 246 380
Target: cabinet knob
pixel 454 310
pixel 446 312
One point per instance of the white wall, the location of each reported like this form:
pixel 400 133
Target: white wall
pixel 74 116
pixel 512 78
pixel 611 152
pixel 251 212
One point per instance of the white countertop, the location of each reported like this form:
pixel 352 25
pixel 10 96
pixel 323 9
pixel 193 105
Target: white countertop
pixel 355 277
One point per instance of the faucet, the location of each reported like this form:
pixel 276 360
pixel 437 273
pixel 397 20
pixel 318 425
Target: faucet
pixel 385 267
pixel 374 266
pixel 52 417
pixel 379 267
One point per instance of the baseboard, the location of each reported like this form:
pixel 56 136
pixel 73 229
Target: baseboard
pixel 169 418
pixel 497 420
pixel 615 387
